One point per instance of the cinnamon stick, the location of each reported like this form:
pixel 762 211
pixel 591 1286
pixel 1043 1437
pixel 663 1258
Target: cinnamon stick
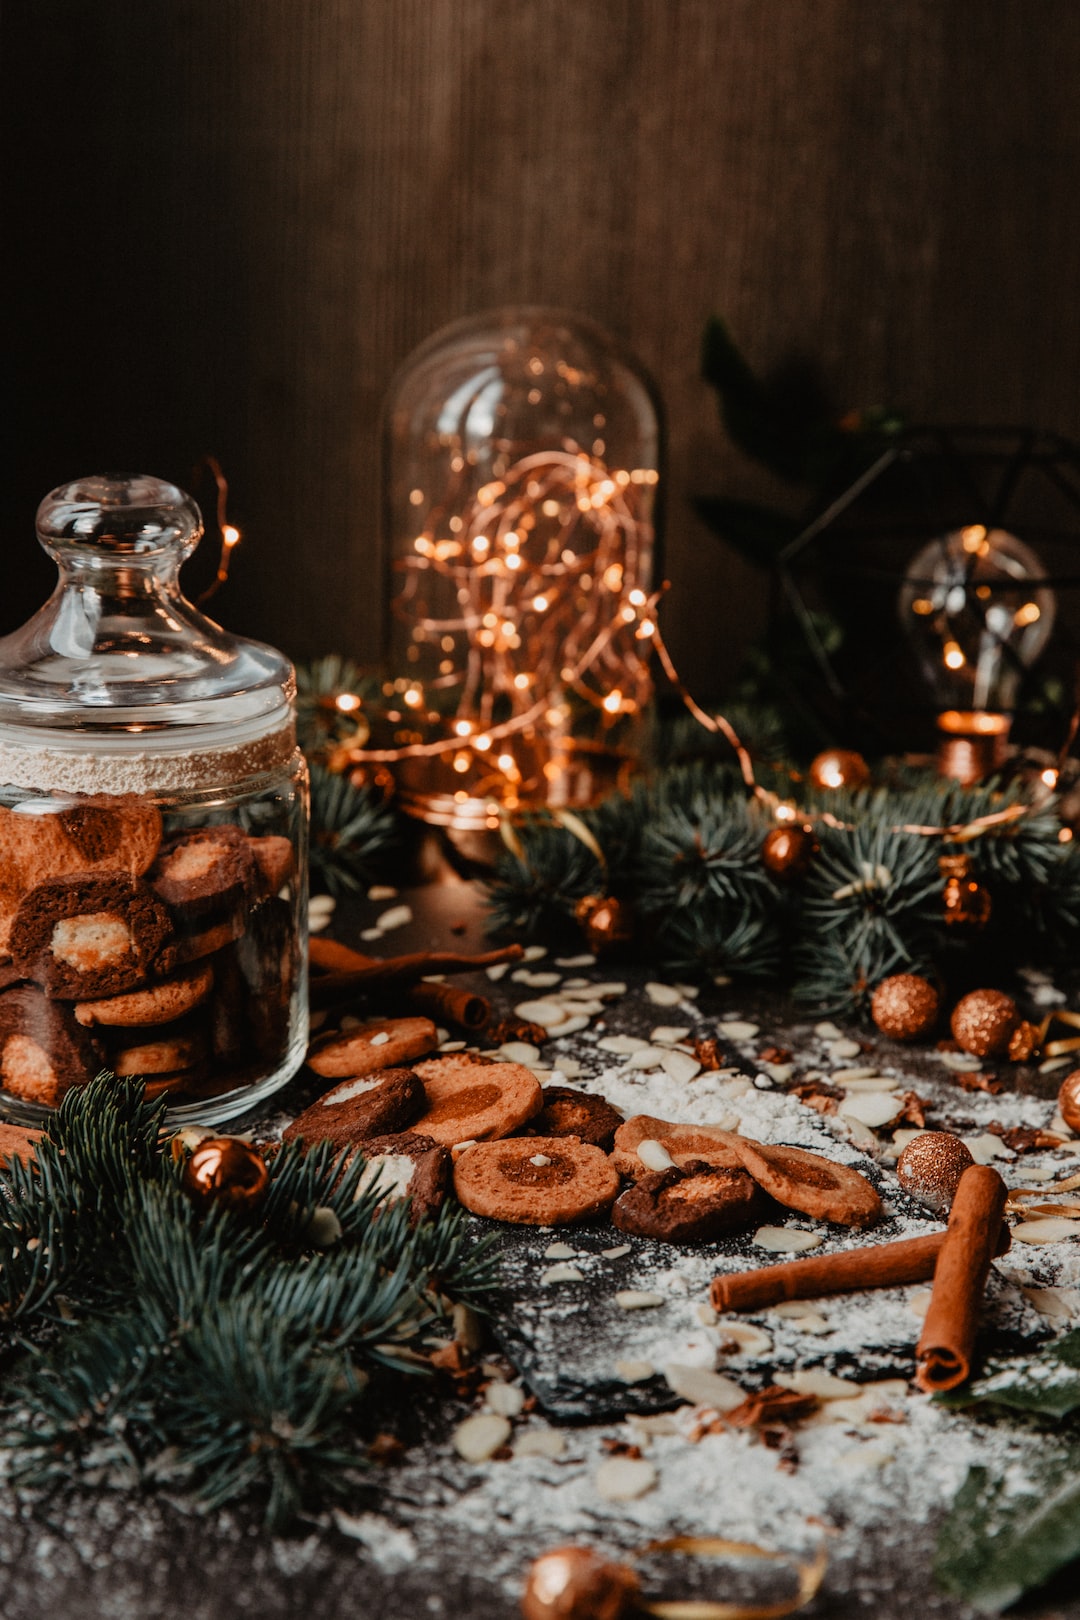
pixel 328 989
pixel 971 1240
pixel 878 1265
pixel 449 1003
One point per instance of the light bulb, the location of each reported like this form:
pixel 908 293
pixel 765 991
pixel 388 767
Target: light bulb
pixel 978 612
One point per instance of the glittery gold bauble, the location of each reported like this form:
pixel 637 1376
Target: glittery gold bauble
pixel 965 902
pixel 983 1022
pixel 839 768
pixel 1023 1042
pixel 225 1170
pixel 1069 1100
pixel 787 851
pixel 604 920
pixel 574 1583
pixel 930 1168
pixel 905 1006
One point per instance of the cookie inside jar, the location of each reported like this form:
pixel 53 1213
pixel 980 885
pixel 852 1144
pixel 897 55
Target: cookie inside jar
pixel 153 826
pixel 143 941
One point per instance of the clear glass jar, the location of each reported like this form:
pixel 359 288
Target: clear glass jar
pixel 522 463
pixel 153 827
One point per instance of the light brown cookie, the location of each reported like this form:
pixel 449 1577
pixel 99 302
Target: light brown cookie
pixel 810 1183
pixel 367 1105
pixel 17 1143
pixel 273 857
pixel 168 1054
pixel 683 1143
pixel 194 946
pixel 470 1099
pixel 697 1205
pixel 383 1043
pixel 158 1003
pixel 536 1180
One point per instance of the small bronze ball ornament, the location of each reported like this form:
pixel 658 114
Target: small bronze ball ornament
pixel 965 902
pixel 227 1171
pixel 930 1168
pixel 839 768
pixel 905 1006
pixel 984 1021
pixel 787 852
pixel 604 921
pixel 1069 1100
pixel 575 1583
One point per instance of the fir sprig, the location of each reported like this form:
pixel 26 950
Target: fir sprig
pixel 234 1347
pixel 352 831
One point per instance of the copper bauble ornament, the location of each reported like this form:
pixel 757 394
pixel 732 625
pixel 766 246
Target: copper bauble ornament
pixel 983 1022
pixel 227 1171
pixel 575 1583
pixel 1069 1100
pixel 604 921
pixel 905 1006
pixel 966 903
pixel 930 1168
pixel 839 768
pixel 787 851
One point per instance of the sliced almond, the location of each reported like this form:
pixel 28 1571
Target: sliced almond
pixel 546 1013
pixel 519 1052
pixel 680 1067
pixel 919 1303
pixel 655 1155
pixel 616 1253
pixel 621 1479
pixel 1051 1230
pixel 564 1272
pixel 638 1299
pixel 749 1341
pixel 559 1251
pixel 704 1387
pixel 984 1149
pixel 663 995
pixel 622 1045
pixel 507 1400
pixel 785 1240
pixel 634 1372
pixel 667 1035
pixel 815 1381
pixel 871 1108
pixel 540 1443
pixel 480 1436
pixel 738 1029
pixel 396 917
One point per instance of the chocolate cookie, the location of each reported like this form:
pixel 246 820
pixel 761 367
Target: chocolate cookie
pixel 810 1183
pixel 89 935
pixel 203 942
pixel 159 1003
pixel 567 1112
pixel 471 1099
pixel 429 1181
pixel 682 1143
pixel 268 956
pixel 373 1105
pixel 536 1180
pixel 696 1204
pixel 205 873
pixel 384 1043
pixel 36 844
pixel 43 1051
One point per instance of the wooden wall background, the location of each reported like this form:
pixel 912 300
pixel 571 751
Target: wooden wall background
pixel 228 221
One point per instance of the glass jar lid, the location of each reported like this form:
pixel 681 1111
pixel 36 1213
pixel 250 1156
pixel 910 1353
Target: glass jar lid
pixel 118 649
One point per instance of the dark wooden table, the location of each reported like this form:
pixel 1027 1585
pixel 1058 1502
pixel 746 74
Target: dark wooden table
pixel 108 1555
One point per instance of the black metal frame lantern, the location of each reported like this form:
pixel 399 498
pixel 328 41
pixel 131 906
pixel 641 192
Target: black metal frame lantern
pixel 973 532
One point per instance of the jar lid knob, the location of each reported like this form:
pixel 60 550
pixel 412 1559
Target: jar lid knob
pixel 109 517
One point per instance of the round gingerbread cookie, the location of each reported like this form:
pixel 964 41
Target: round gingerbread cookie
pixel 681 1143
pixel 161 1002
pixel 536 1180
pixel 381 1043
pixel 472 1100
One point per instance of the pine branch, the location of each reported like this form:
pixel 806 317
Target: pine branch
pixel 352 832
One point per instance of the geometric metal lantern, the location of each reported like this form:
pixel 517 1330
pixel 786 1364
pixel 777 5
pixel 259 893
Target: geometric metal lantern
pixel 925 592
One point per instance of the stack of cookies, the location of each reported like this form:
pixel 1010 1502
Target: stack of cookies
pixel 130 947
pixel 549 1157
